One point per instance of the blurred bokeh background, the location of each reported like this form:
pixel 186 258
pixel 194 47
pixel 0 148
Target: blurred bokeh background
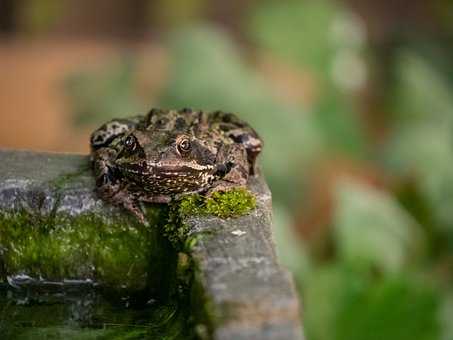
pixel 354 100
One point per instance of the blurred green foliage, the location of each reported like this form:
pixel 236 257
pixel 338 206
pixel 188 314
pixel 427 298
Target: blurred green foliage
pixel 38 16
pixel 422 139
pixel 385 270
pixel 273 27
pixel 346 304
pixel 311 36
pixel 96 95
pixel 366 223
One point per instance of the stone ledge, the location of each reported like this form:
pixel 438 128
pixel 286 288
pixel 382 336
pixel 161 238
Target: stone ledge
pixel 250 296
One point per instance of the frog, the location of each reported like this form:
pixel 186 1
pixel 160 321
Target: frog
pixel 165 154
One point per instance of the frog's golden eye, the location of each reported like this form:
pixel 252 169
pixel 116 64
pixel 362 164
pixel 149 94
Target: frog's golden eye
pixel 130 143
pixel 184 145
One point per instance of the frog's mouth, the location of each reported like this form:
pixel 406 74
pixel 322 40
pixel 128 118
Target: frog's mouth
pixel 169 178
pixel 155 168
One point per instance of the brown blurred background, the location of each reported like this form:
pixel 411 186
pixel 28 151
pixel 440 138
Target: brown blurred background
pixel 44 41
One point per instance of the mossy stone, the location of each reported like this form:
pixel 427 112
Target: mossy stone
pixel 229 204
pixel 117 252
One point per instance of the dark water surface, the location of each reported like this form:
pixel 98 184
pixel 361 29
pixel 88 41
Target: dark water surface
pixel 84 312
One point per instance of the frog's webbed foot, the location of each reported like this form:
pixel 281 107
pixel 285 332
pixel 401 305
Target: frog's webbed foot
pixel 135 209
pixel 235 178
pixel 233 170
pixel 112 191
pixel 121 197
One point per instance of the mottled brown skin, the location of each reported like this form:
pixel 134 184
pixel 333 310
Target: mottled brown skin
pixel 167 153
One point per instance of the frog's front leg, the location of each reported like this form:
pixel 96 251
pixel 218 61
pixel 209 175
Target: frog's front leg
pixel 127 200
pixel 233 168
pixel 109 186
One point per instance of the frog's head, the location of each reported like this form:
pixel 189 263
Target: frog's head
pixel 165 161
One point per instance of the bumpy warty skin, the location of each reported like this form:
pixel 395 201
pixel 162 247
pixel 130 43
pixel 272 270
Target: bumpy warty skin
pixel 160 156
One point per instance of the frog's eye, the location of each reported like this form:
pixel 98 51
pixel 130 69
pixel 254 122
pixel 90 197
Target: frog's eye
pixel 184 145
pixel 130 143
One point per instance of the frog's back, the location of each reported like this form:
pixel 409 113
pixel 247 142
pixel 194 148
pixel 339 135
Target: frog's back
pixel 217 126
pixel 239 132
pixel 229 125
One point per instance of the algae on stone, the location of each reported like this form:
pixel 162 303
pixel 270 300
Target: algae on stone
pixel 232 203
pixel 229 204
pixel 117 252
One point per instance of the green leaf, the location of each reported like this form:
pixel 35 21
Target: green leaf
pixel 422 142
pixel 103 93
pixel 446 315
pixel 290 248
pixel 318 38
pixel 372 230
pixel 396 308
pixel 340 304
pixel 421 92
pixel 296 31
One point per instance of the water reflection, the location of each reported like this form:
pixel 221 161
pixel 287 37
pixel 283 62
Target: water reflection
pixel 70 310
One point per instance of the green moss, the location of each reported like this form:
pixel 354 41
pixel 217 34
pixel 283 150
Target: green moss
pixel 231 203
pixel 228 204
pixel 118 252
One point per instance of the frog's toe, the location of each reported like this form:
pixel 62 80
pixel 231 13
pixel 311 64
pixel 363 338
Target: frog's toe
pixel 135 209
pixel 140 216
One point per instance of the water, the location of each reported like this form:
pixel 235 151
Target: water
pixel 80 310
